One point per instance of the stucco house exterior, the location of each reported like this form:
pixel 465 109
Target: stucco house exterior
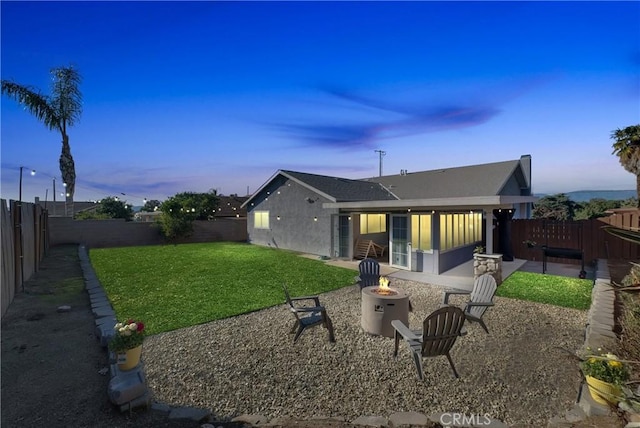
pixel 430 221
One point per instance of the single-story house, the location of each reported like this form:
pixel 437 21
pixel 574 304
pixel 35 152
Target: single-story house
pixel 427 221
pixel 232 206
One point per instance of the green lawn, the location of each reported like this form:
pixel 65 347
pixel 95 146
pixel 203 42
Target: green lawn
pixel 174 286
pixel 555 290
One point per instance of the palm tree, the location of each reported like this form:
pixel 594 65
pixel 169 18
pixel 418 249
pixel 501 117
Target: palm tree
pixel 57 111
pixel 627 148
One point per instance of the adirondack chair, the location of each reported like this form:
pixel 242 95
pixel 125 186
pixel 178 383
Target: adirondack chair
pixel 308 315
pixel 439 333
pixel 364 248
pixel 481 298
pixel 369 273
pixel 379 249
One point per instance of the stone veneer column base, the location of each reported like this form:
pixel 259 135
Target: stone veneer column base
pixel 488 263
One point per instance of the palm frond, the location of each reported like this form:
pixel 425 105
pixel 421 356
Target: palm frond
pixel 39 105
pixel 66 97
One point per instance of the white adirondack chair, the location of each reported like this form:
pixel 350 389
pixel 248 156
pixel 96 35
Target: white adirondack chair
pixel 481 298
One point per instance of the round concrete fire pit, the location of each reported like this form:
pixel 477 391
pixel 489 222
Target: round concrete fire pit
pixel 380 307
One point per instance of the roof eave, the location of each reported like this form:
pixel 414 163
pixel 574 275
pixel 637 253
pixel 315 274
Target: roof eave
pixel 257 192
pixel 437 203
pixel 290 177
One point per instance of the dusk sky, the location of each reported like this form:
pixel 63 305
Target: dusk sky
pixel 193 96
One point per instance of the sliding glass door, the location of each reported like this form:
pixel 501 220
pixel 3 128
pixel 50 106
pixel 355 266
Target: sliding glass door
pixel 400 254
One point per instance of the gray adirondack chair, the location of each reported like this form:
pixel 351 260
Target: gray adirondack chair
pixel 439 333
pixel 369 273
pixel 480 298
pixel 308 313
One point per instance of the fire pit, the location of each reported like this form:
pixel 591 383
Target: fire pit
pixel 380 306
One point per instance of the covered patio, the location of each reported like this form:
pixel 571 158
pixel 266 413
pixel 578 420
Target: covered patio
pixel 461 276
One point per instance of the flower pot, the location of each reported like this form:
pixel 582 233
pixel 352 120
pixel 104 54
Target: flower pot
pixel 130 358
pixel 603 392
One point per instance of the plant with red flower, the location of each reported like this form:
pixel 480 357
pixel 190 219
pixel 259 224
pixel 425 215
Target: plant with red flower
pixel 128 335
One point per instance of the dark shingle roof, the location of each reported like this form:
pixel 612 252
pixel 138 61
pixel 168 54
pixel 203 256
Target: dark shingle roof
pixel 342 189
pixel 231 206
pixel 475 180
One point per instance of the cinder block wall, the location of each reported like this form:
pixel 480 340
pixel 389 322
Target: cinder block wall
pixel 119 233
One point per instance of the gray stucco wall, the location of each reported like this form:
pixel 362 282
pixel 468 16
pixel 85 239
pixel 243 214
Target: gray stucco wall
pixel 303 225
pixel 512 187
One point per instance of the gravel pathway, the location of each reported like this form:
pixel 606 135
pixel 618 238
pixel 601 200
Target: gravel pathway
pixel 520 373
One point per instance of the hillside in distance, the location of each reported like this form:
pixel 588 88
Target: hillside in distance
pixel 587 195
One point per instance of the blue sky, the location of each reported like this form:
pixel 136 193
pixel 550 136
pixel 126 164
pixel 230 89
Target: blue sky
pixel 193 96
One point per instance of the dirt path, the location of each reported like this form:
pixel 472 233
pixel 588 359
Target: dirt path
pixel 51 361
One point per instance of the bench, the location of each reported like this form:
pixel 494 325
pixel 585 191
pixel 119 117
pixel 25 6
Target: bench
pixel 564 253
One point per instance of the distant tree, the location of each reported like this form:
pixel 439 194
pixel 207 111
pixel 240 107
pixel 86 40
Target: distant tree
pixel 181 210
pixel 555 207
pixel 90 215
pixel 115 208
pixel 200 206
pixel 151 205
pixel 57 111
pixel 627 148
pixel 595 208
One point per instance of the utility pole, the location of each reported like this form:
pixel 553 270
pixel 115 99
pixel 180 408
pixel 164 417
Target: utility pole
pixel 381 153
pixel 54 196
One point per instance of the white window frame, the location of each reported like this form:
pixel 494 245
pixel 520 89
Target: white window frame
pixel 261 219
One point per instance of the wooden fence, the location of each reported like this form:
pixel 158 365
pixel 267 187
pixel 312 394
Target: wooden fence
pixel 586 235
pixel 25 240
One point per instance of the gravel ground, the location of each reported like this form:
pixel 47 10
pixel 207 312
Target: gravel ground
pixel 521 373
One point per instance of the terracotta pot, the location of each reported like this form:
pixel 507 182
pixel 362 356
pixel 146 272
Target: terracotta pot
pixel 603 392
pixel 129 359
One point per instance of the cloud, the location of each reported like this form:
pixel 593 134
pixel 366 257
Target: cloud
pixel 360 136
pixel 392 119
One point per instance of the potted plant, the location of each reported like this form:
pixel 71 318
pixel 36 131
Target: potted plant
pixel 529 243
pixel 605 375
pixel 127 343
pixel 478 250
